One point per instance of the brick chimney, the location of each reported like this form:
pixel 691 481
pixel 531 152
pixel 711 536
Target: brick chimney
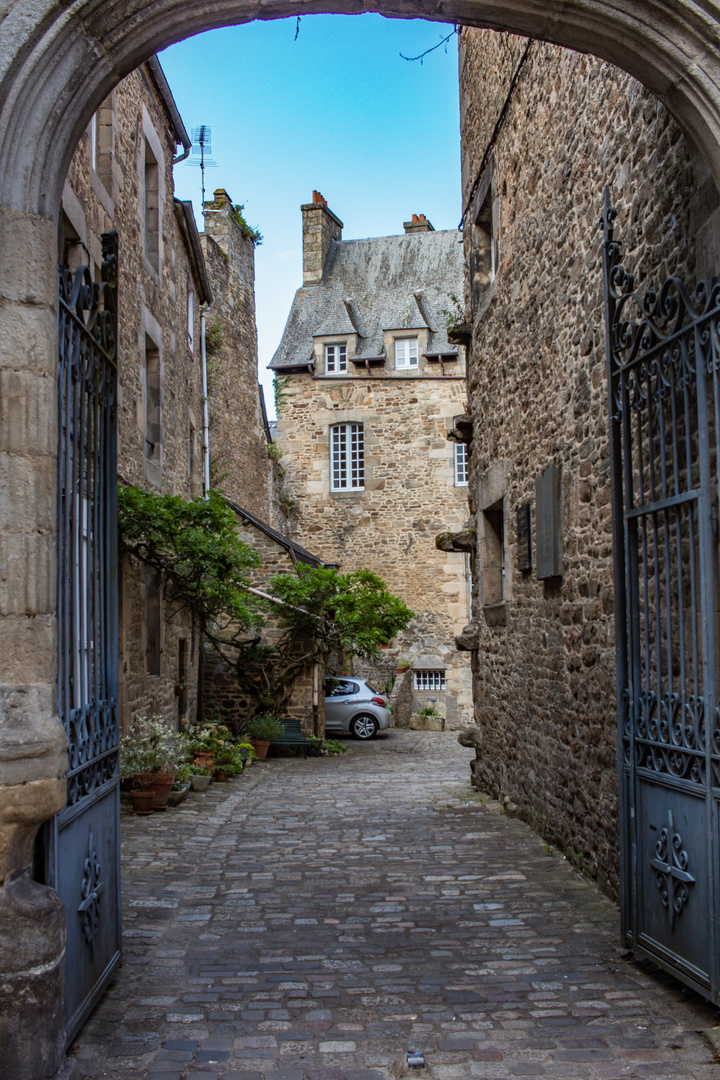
pixel 319 228
pixel 419 223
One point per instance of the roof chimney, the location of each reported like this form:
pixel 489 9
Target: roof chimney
pixel 419 223
pixel 319 228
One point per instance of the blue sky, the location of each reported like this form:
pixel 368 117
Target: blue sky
pixel 337 110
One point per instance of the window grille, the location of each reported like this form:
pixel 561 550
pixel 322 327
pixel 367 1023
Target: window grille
pixel 429 680
pixel 461 465
pixel 336 358
pixel 347 457
pixel 406 353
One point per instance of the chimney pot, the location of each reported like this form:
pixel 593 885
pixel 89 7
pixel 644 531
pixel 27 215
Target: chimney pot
pixel 221 195
pixel 418 223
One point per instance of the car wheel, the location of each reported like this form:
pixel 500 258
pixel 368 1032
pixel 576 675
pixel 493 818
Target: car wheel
pixel 364 726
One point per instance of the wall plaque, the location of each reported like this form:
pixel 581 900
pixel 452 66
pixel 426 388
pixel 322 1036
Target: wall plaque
pixel 548 538
pixel 523 537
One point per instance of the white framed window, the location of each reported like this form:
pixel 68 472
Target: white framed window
pixel 406 353
pixel 428 680
pixel 347 457
pixel 336 358
pixel 461 464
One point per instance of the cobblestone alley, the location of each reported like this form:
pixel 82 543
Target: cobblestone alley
pixel 315 920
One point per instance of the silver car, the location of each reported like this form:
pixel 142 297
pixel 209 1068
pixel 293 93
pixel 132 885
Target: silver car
pixel 353 705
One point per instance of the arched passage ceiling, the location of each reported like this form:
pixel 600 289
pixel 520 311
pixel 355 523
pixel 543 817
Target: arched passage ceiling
pixel 58 61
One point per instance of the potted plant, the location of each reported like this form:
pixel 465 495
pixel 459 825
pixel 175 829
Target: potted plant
pixel 179 790
pixel 402 665
pixel 261 731
pixel 247 750
pixel 151 753
pixel 230 763
pixel 428 718
pixel 200 777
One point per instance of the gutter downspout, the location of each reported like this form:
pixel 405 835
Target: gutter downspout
pixel 206 415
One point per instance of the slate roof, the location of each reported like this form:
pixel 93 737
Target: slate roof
pixel 380 277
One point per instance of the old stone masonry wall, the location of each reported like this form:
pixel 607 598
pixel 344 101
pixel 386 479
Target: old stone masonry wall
pixel 544 662
pixel 391 526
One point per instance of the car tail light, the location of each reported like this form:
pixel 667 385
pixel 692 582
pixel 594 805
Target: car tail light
pixel 378 701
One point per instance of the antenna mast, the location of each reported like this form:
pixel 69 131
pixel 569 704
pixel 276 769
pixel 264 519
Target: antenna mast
pixel 201 151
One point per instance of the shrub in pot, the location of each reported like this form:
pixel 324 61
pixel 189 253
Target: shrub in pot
pixel 261 732
pixel 151 753
pixel 230 763
pixel 200 777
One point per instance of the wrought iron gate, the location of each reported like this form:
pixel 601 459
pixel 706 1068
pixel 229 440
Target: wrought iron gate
pixel 82 841
pixel 663 356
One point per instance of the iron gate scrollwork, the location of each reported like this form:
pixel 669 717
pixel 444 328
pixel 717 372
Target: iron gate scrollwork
pixel 663 364
pixel 82 841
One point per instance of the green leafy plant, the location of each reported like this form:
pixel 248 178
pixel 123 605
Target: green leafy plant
pixel 279 387
pixel 274 452
pixel 429 712
pixel 246 749
pixel 455 315
pixel 201 770
pixel 213 337
pixel 151 746
pixel 230 761
pixel 206 568
pixel 333 746
pixel 204 564
pixel 353 612
pixel 265 728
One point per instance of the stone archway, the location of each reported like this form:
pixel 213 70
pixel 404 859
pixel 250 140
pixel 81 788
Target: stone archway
pixel 57 65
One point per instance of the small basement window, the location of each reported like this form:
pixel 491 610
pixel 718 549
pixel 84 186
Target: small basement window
pixel 428 680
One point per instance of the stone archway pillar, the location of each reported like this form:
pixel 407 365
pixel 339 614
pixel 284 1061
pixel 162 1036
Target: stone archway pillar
pixel 33 755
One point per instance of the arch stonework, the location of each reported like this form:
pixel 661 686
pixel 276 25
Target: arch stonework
pixel 57 63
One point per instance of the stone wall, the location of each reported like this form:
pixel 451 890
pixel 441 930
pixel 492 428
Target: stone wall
pixel 105 190
pixel 544 662
pixel 391 526
pixel 239 463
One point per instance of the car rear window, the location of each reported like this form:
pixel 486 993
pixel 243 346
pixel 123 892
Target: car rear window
pixel 340 687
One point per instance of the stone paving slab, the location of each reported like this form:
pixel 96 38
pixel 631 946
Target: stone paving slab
pixel 315 920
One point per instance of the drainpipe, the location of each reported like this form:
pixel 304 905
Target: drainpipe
pixel 316 700
pixel 206 416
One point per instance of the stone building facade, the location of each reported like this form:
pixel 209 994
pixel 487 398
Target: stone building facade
pixel 370 386
pixel 239 436
pixel 121 178
pixel 542 637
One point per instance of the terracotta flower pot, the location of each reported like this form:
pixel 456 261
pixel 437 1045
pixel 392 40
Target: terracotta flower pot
pixel 261 748
pixel 221 776
pixel 159 784
pixel 142 800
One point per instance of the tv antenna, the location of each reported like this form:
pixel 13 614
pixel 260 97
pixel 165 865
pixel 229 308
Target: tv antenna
pixel 201 154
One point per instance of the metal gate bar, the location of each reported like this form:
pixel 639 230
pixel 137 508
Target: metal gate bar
pixel 82 841
pixel 663 361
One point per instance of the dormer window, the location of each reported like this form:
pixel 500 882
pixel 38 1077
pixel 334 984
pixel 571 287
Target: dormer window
pixel 406 353
pixel 336 358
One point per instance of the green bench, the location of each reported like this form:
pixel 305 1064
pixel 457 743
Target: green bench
pixel 292 736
